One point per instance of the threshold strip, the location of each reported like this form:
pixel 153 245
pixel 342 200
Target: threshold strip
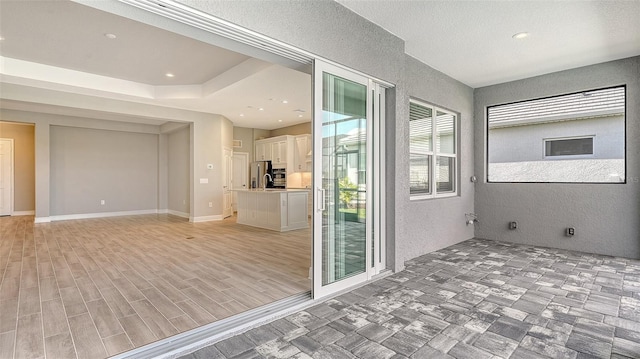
pixel 192 340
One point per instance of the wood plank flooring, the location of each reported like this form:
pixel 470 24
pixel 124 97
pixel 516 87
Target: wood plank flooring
pixel 97 287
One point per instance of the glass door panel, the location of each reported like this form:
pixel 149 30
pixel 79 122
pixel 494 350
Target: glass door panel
pixel 342 245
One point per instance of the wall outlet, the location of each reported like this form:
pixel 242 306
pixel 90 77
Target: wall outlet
pixel 210 204
pixel 102 202
pixel 570 232
pixel 513 225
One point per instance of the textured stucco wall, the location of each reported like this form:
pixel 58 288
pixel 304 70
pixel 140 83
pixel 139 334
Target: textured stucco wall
pixel 431 224
pixel 606 216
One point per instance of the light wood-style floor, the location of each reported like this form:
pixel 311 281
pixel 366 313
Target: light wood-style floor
pixel 97 287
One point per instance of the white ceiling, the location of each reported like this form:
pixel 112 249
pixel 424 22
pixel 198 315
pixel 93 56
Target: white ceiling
pixel 472 42
pixel 69 38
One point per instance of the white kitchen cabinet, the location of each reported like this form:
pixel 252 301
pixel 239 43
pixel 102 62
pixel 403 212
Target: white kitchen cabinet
pixel 302 162
pixel 279 152
pixel 282 211
pixel 263 150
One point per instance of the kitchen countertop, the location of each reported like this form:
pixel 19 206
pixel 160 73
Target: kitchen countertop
pixel 274 190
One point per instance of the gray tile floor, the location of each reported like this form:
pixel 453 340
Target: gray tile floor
pixel 477 299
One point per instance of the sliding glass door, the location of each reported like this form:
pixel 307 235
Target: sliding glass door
pixel 343 173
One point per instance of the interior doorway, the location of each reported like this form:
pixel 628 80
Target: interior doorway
pixel 6 176
pixel 240 177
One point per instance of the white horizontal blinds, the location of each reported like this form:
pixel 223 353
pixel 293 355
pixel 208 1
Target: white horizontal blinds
pixel 445 150
pixel 588 103
pixel 420 148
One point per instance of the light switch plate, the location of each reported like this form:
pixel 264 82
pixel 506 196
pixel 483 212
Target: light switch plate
pixel 204 180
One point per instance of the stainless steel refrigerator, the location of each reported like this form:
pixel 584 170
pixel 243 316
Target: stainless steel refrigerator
pixel 258 171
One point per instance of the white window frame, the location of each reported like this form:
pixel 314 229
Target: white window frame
pixel 434 153
pixel 568 157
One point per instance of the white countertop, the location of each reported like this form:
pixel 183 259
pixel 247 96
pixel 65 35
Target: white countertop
pixel 273 190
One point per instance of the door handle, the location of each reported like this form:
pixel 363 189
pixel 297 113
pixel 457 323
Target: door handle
pixel 321 203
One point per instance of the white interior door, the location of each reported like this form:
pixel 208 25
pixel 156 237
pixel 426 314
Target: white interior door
pixel 6 176
pixel 227 173
pixel 240 177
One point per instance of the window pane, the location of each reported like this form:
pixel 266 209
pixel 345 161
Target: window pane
pixel 571 138
pixel 420 129
pixel 570 147
pixel 445 127
pixel 446 174
pixel 420 174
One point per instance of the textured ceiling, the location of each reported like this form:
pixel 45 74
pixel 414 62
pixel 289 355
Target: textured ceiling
pixel 472 42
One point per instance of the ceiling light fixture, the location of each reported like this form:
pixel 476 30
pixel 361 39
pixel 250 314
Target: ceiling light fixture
pixel 169 74
pixel 242 115
pixel 1 38
pixel 261 109
pixel 279 120
pixel 520 35
pixel 285 101
pixel 299 115
pixel 110 36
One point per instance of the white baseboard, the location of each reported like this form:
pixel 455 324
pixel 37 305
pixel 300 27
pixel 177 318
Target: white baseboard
pixel 217 217
pixel 42 220
pixel 176 213
pixel 23 213
pixel 66 217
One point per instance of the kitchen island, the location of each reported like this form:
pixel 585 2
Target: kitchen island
pixel 276 209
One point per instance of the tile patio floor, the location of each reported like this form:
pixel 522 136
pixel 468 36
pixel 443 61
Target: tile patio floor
pixel 477 299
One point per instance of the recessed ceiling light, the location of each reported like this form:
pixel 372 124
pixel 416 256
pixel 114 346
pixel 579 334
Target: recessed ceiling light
pixel 110 36
pixel 242 115
pixel 299 115
pixel 169 74
pixel 520 35
pixel 279 120
pixel 285 101
pixel 261 109
pixel 1 38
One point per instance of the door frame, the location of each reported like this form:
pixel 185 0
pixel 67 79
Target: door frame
pixel 227 180
pixel 245 156
pixel 375 210
pixel 11 174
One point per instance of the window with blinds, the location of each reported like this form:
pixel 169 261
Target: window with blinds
pixel 431 162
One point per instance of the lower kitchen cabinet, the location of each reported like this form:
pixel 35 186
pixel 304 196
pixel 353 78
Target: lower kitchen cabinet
pixel 278 210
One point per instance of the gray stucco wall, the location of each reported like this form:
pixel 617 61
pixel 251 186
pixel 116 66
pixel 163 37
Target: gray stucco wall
pixel 431 224
pixel 606 216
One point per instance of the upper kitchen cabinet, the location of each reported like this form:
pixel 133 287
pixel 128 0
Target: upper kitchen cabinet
pixel 279 151
pixel 290 152
pixel 263 150
pixel 302 155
